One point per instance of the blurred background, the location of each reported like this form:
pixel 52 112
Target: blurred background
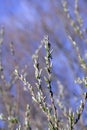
pixel 25 23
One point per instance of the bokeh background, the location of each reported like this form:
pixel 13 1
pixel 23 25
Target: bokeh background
pixel 25 23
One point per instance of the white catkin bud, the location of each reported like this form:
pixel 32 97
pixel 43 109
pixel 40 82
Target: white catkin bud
pixel 1 116
pixel 16 71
